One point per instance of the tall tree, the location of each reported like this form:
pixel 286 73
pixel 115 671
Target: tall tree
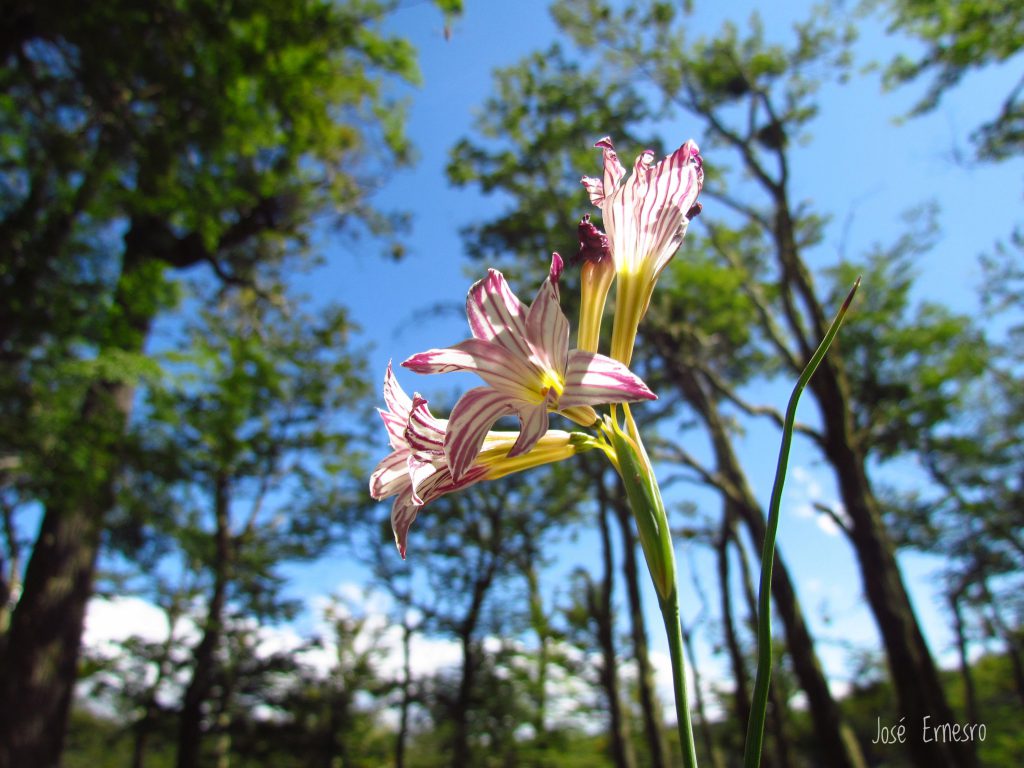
pixel 536 185
pixel 140 140
pixel 699 335
pixel 631 577
pixel 246 431
pixel 464 574
pixel 752 101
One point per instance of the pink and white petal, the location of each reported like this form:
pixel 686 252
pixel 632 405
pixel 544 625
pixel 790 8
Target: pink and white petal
pixel 675 184
pixel 593 379
pixel 390 476
pixel 394 396
pixel 502 369
pixel 471 418
pixel 420 472
pixel 618 207
pixel 547 325
pixel 595 189
pixel 533 420
pixel 423 431
pixel 441 482
pixel 434 486
pixel 403 513
pixel 496 314
pixel 668 248
pixel 395 425
pixel 613 170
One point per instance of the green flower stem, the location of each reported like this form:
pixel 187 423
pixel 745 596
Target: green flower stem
pixel 656 541
pixel 674 631
pixel 759 704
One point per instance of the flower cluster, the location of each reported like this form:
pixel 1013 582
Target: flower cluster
pixel 522 352
pixel 416 471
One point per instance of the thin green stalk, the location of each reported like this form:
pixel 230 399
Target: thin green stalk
pixel 656 541
pixel 673 629
pixel 759 703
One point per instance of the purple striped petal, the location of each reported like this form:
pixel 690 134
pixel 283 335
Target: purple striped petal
pixel 396 429
pixel 394 396
pixel 471 418
pixel 595 189
pixel 496 314
pixel 435 485
pixel 613 170
pixel 419 472
pixel 675 183
pixel 534 425
pixel 403 513
pixel 600 189
pixel 424 432
pixel 646 217
pixel 547 324
pixel 593 379
pixel 495 364
pixel 390 476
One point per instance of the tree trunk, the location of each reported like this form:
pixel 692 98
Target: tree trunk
pixel 463 702
pixel 838 747
pixel 470 650
pixel 41 655
pixel 1010 636
pixel 713 755
pixel 38 669
pixel 40 661
pixel 776 714
pixel 649 704
pixel 741 692
pixel 204 664
pixel 919 692
pixel 403 717
pixel 599 600
pixel 10 573
pixel 912 670
pixel 539 623
pixel 970 694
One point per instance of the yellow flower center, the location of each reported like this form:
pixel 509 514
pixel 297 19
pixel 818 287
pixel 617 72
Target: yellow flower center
pixel 551 382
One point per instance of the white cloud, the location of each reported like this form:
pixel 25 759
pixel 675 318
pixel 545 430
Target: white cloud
pixel 110 621
pixel 805 497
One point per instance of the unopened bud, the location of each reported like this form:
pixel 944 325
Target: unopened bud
pixel 594 246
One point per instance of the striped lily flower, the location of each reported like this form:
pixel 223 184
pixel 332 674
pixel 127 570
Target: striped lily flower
pixel 416 471
pixel 523 355
pixel 645 218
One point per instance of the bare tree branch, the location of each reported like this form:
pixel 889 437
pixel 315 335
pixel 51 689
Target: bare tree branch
pixel 775 334
pixel 669 452
pixel 720 386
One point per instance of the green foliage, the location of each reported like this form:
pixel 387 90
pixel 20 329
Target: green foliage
pixel 138 138
pixel 910 366
pixel 961 36
pixel 871 700
pixel 253 403
pixel 538 131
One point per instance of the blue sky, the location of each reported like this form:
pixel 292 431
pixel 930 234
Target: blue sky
pixel 861 167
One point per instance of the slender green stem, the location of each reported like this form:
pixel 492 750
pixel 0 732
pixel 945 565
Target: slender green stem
pixel 674 631
pixel 759 704
pixel 644 495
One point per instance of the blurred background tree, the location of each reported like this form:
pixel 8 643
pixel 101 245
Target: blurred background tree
pixel 141 141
